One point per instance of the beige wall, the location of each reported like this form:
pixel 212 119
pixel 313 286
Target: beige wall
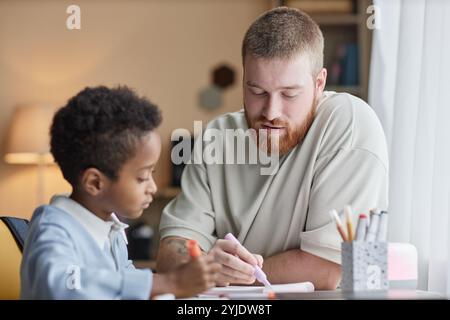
pixel 162 48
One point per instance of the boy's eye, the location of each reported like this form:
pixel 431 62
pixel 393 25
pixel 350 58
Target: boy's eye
pixel 140 180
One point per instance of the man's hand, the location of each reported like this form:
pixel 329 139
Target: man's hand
pixel 237 263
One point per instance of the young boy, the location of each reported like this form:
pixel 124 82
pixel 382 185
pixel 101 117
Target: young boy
pixel 105 143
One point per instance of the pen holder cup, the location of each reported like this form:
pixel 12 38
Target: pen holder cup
pixel 364 266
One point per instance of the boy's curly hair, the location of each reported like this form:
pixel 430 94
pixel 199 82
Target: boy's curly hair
pixel 100 128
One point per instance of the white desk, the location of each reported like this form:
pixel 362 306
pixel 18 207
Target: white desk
pixel 394 294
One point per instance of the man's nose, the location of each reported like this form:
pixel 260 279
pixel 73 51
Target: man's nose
pixel 272 109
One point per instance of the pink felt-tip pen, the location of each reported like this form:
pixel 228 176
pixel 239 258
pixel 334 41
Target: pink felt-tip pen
pixel 259 274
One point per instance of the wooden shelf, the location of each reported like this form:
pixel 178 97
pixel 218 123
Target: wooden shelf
pixel 337 19
pixel 323 6
pixel 342 23
pixel 355 90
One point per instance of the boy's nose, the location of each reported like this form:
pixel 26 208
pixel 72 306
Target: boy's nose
pixel 152 187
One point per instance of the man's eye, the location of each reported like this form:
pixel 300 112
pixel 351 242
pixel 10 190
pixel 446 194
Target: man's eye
pixel 290 95
pixel 140 180
pixel 258 93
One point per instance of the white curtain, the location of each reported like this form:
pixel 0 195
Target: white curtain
pixel 409 88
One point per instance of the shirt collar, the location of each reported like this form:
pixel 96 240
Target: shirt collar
pixel 95 226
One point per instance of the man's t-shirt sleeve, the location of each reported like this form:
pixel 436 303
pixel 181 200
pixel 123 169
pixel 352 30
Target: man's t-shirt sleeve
pixel 348 176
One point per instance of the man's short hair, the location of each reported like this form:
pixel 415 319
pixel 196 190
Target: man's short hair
pixel 100 128
pixel 283 33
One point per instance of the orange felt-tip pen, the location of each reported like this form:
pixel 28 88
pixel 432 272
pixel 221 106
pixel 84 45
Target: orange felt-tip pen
pixel 193 249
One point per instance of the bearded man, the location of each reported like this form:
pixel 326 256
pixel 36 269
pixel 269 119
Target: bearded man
pixel 331 150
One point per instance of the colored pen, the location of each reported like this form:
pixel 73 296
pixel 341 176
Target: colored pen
pixel 361 227
pixel 259 274
pixel 373 227
pixel 250 296
pixel 193 249
pixel 348 218
pixel 383 226
pixel 372 212
pixel 340 227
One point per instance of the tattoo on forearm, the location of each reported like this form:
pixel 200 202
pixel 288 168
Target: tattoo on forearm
pixel 179 245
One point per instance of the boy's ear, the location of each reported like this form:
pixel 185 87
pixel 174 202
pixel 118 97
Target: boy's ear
pixel 93 181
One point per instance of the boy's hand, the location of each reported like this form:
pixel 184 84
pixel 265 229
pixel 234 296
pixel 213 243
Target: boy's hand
pixel 194 277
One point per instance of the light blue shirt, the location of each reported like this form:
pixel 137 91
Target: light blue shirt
pixel 70 253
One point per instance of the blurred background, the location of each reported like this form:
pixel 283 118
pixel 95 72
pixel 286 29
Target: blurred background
pixel 184 55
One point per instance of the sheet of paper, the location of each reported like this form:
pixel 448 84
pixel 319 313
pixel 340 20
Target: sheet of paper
pixel 252 290
pixel 234 289
pixel 291 287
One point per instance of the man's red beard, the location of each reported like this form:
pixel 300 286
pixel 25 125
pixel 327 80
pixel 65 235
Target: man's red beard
pixel 288 139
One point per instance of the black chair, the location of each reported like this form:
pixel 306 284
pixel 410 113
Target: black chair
pixel 19 229
pixel 13 232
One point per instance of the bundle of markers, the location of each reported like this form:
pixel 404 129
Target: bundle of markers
pixel 370 228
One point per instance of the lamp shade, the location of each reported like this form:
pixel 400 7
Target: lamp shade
pixel 28 140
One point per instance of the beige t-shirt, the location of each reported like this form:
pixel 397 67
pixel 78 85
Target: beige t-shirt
pixel 342 160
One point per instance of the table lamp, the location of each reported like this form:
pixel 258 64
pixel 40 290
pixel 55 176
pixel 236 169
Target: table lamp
pixel 28 140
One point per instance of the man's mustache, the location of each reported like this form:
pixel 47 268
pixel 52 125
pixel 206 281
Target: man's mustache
pixel 275 122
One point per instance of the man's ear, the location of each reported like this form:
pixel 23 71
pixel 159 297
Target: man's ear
pixel 93 181
pixel 321 81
